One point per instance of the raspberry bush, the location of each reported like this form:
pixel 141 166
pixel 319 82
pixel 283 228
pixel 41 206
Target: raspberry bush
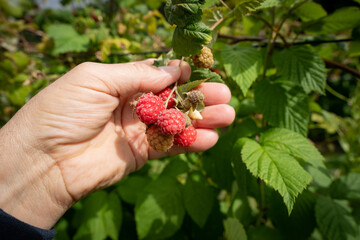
pixel 287 168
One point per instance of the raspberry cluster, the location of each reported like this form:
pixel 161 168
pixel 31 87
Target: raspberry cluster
pixel 167 125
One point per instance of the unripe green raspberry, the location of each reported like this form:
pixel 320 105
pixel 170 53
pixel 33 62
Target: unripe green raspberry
pixel 204 59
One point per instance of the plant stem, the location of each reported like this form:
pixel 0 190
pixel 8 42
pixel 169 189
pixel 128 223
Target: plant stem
pixel 336 94
pixel 168 98
pixel 262 202
pixel 332 64
pixel 268 53
pixel 225 5
pixel 274 29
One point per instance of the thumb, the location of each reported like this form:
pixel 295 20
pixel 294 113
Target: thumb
pixel 125 79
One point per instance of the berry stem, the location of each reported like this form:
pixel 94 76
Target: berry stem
pixel 172 91
pixel 181 60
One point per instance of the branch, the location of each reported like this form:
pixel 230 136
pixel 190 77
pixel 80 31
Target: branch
pixel 236 39
pixel 332 64
pixel 323 41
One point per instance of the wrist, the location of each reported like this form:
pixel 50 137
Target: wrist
pixel 30 182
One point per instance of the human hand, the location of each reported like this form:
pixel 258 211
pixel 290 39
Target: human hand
pixel 80 134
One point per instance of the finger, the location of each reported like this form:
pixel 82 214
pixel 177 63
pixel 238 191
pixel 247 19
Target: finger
pixel 206 138
pixel 149 61
pixel 123 79
pixel 185 69
pixel 216 116
pixel 215 93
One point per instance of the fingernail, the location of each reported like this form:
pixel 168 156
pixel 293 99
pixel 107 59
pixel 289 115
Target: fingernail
pixel 169 69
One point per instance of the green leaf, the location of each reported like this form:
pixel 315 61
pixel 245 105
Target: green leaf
pixel 130 188
pixel 320 175
pixel 175 167
pixel 301 222
pixel 247 107
pixel 346 187
pixel 66 39
pixel 292 143
pixel 18 95
pixel 210 3
pixel 301 65
pixel 282 107
pixel 159 210
pixel 163 59
pixel 342 19
pixel 198 198
pixel 183 12
pixel 245 6
pixel 100 217
pixel 334 219
pixel 240 207
pixel 242 63
pixel 234 230
pixel 198 73
pixel 268 4
pixel 61 230
pixel 217 161
pixel 263 232
pixel 310 11
pixel 190 85
pixel 190 39
pixel 11 9
pixel 279 169
pixel 113 216
pixel 354 49
pixel 20 59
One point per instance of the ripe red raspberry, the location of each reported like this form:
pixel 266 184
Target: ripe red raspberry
pixel 149 107
pixel 157 140
pixel 203 59
pixel 164 94
pixel 171 121
pixel 186 138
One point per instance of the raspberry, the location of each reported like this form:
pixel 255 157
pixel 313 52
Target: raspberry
pixel 196 97
pixel 187 137
pixel 164 94
pixel 204 59
pixel 157 140
pixel 149 107
pixel 171 121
